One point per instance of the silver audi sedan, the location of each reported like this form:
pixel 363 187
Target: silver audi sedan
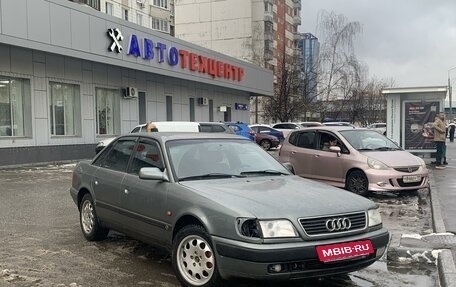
pixel 224 208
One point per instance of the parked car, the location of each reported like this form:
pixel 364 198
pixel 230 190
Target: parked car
pixel 286 127
pixel 266 141
pixel 310 124
pixel 224 208
pixel 338 124
pixel 264 129
pixel 166 126
pixel 362 161
pixel 215 127
pixel 378 127
pixel 242 129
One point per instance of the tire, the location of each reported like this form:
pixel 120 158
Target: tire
pixel 193 258
pixel 357 182
pixel 266 144
pixel 90 226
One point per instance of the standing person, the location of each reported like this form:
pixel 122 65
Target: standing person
pixel 439 139
pixel 451 128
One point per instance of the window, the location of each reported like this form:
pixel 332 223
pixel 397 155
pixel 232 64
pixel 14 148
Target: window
pixel 303 140
pixel 119 155
pixel 108 111
pixel 159 24
pixel 15 107
pixel 108 7
pixel 65 109
pixel 147 154
pixel 125 14
pixel 161 3
pixel 139 19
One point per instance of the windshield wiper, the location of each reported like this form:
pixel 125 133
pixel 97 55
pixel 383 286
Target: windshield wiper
pixel 364 149
pixel 386 148
pixel 210 175
pixel 267 171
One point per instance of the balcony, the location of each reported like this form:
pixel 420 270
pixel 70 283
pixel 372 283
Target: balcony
pixel 268 54
pixel 297 20
pixel 268 16
pixel 268 36
pixel 297 4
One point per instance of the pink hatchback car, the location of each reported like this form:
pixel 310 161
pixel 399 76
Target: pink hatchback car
pixel 359 160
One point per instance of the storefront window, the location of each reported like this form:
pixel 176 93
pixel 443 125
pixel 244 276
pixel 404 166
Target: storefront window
pixel 65 109
pixel 108 111
pixel 15 111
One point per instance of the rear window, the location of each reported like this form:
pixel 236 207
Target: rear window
pixel 303 140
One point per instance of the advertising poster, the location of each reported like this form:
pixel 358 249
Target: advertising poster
pixel 419 118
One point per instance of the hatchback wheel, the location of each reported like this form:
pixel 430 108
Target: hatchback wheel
pixel 357 182
pixel 91 228
pixel 265 144
pixel 194 259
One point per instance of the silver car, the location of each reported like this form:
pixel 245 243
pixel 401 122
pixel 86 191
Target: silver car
pixel 224 208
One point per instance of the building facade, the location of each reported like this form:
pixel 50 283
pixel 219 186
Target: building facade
pixel 154 14
pixel 70 76
pixel 309 49
pixel 258 31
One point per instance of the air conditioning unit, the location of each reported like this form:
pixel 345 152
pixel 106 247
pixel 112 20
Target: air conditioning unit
pixel 203 101
pixel 130 93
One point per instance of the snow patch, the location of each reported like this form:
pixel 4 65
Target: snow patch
pixel 415 236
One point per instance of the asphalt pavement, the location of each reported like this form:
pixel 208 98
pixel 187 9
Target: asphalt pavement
pixel 443 192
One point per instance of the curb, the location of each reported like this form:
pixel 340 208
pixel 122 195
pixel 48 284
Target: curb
pixel 445 262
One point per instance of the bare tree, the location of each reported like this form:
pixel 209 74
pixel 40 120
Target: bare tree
pixel 287 103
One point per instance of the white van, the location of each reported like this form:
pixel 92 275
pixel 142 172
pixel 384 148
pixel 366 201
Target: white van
pixel 161 127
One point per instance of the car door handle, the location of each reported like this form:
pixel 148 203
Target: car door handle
pixel 126 191
pixel 293 152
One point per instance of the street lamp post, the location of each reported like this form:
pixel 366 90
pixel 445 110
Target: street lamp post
pixel 450 93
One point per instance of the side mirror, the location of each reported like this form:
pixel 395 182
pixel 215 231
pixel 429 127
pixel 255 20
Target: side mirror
pixel 289 166
pixel 153 173
pixel 335 149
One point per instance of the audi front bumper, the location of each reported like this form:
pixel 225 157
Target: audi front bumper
pixel 296 260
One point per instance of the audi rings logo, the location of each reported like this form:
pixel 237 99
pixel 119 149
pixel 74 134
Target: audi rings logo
pixel 338 224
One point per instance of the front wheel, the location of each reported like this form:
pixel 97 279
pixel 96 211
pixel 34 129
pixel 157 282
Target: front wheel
pixel 91 228
pixel 194 259
pixel 357 182
pixel 266 144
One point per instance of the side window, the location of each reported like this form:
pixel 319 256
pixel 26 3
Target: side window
pixel 327 141
pixel 147 154
pixel 205 128
pixel 256 129
pixel 218 129
pixel 306 140
pixel 119 155
pixel 235 128
pixel 136 130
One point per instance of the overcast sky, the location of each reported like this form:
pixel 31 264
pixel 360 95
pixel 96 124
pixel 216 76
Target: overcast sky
pixel 411 41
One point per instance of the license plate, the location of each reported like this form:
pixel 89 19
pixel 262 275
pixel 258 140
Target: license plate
pixel 411 178
pixel 345 250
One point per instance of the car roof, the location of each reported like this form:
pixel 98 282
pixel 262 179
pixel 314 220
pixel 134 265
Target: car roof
pixel 169 136
pixel 330 128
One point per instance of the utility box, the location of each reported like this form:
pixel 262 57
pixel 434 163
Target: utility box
pixel 410 113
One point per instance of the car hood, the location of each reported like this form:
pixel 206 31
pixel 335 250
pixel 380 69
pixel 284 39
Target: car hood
pixel 398 158
pixel 279 196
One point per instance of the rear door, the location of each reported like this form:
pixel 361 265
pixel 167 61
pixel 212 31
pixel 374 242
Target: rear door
pixel 144 201
pixel 301 152
pixel 108 178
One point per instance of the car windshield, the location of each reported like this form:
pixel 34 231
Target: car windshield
pixel 367 140
pixel 195 159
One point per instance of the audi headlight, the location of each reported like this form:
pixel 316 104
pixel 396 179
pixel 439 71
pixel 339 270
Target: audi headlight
pixel 374 217
pixel 277 228
pixel 376 164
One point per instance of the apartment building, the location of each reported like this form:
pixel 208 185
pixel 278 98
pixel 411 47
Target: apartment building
pixel 258 31
pixel 154 14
